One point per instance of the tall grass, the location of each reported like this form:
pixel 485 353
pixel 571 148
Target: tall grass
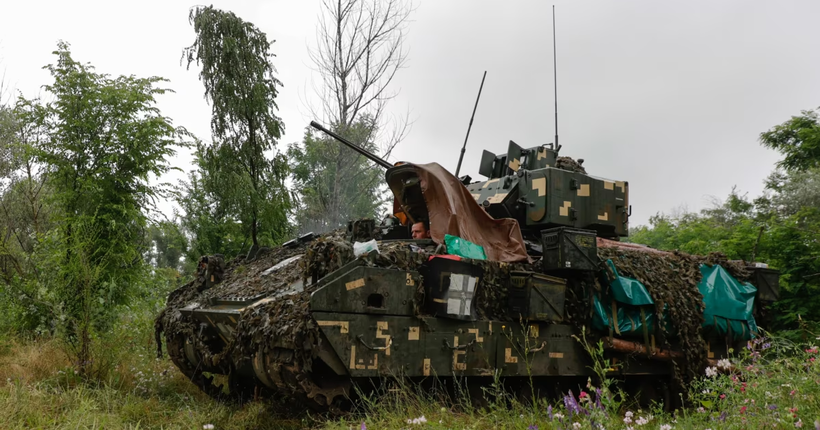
pixel 772 383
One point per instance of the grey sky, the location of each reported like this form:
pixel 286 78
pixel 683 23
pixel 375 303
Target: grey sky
pixel 670 96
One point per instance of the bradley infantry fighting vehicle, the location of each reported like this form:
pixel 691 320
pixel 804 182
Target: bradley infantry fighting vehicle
pixel 518 266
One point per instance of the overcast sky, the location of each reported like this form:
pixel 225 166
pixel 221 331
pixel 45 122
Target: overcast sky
pixel 669 96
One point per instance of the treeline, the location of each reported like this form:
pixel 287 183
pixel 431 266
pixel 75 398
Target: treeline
pixel 82 238
pixel 781 227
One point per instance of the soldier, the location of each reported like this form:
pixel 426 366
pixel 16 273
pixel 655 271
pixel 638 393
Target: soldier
pixel 420 230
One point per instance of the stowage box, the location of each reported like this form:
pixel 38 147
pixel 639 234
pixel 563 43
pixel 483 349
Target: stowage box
pixel 569 249
pixel 536 297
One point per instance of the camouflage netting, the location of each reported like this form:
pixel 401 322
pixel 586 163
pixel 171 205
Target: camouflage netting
pixel 672 280
pixel 286 319
pixel 567 163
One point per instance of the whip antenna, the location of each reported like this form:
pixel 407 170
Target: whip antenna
pixel 555 77
pixel 463 147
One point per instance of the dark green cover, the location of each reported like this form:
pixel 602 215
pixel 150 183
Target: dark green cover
pixel 627 290
pixel 729 303
pixel 630 322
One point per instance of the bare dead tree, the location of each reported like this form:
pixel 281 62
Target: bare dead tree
pixel 359 49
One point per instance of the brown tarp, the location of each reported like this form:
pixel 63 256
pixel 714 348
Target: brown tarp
pixel 452 210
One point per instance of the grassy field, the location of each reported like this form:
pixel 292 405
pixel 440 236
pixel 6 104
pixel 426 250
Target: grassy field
pixel 773 384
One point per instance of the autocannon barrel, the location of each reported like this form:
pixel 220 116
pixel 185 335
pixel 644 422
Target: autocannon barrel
pixel 375 158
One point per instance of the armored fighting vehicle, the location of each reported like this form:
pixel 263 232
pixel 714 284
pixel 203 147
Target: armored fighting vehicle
pixel 519 270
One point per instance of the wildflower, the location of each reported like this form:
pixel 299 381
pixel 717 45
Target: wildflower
pixel 627 420
pixel 363 427
pixel 798 423
pixel 701 410
pixel 571 405
pixel 743 410
pixel 576 426
pixel 598 396
pixel 558 416
pixel 666 427
pixel 772 407
pixel 711 372
pixel 641 421
pixel 724 364
pixel 208 426
pixel 532 427
pixel 549 411
pixel 419 420
pixel 628 414
pixel 816 424
pixel 584 397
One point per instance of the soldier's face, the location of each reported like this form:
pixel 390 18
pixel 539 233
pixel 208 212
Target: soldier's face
pixel 419 232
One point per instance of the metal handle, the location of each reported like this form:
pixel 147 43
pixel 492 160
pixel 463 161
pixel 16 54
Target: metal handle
pixel 375 348
pixel 459 347
pixel 539 349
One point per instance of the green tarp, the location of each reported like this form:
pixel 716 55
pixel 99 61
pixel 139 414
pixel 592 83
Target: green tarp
pixel 728 305
pixel 463 248
pixel 627 290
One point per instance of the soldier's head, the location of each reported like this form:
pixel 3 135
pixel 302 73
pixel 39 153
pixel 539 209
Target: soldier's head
pixel 420 230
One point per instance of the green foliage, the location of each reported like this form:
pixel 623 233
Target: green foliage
pixel 238 169
pixel 101 141
pixel 798 139
pixel 208 220
pixel 730 227
pixel 335 183
pixel 167 245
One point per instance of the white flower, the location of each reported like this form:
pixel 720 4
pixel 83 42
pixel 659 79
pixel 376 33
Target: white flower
pixel 576 426
pixel 641 421
pixel 419 420
pixel 627 420
pixel 208 426
pixel 711 372
pixel 666 427
pixel 724 364
pixel 558 416
pixel 799 423
pixel 628 414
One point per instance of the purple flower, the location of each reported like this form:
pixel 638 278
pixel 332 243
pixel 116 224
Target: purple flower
pixel 533 427
pixel 549 411
pixel 723 416
pixel 572 405
pixel 772 407
pixel 598 395
pixel 569 403
pixel 364 427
